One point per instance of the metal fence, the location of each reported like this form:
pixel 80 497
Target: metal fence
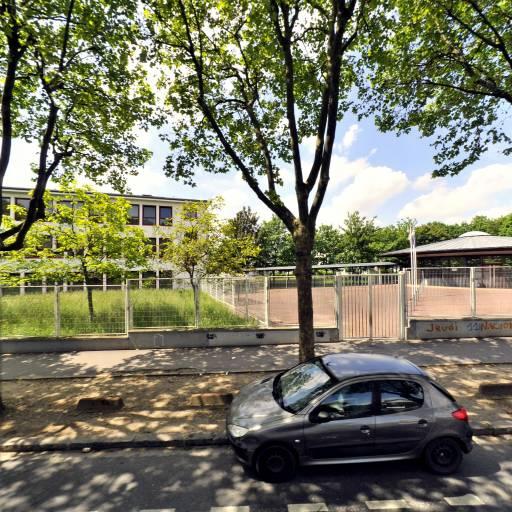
pixel 370 306
pixel 458 292
pixel 169 303
pixel 62 311
pixel 359 306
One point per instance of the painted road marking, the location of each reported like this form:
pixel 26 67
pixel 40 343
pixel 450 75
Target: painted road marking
pixel 468 500
pixel 232 508
pixel 159 510
pixel 387 504
pixel 308 507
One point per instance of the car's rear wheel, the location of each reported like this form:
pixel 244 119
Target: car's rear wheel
pixel 443 456
pixel 276 463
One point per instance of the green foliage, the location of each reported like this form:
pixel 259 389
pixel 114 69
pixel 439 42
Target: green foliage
pixel 91 235
pixel 276 244
pixel 392 238
pixel 243 78
pixel 358 235
pixel 329 245
pixel 245 223
pixel 201 244
pixel 444 67
pixel 90 73
pixel 74 86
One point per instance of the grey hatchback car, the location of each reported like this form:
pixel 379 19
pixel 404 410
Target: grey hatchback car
pixel 346 408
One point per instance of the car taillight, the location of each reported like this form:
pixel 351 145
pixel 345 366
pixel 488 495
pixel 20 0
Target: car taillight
pixel 460 414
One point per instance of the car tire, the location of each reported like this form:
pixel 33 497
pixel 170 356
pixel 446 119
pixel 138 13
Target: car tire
pixel 443 456
pixel 276 463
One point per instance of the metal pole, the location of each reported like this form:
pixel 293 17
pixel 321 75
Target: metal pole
pixel 370 308
pixel 126 306
pixel 266 295
pixel 338 304
pixel 472 291
pixel 56 310
pixel 402 309
pixel 246 299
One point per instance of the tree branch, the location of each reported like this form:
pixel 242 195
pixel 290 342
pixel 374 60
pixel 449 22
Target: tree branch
pixel 285 43
pixel 278 208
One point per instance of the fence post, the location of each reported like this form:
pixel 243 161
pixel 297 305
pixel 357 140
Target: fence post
pixel 338 305
pixel 370 307
pixel 472 291
pixel 233 293
pixel 127 316
pixel 402 305
pixel 246 299
pixel 266 294
pixel 197 303
pixel 56 310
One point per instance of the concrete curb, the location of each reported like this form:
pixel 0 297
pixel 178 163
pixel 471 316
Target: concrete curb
pixel 21 445
pixel 27 445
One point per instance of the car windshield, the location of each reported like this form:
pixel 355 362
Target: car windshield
pixel 298 386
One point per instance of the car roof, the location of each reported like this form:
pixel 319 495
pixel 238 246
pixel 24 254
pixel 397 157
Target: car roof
pixel 346 365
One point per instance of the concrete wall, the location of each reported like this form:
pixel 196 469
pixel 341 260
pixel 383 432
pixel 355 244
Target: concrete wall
pixel 146 339
pixel 459 328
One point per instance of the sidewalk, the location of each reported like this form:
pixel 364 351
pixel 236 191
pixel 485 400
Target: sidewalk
pixel 160 409
pixel 242 359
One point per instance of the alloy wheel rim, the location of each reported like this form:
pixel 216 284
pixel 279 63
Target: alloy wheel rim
pixel 275 463
pixel 444 455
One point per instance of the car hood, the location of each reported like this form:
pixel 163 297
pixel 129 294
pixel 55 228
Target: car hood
pixel 255 405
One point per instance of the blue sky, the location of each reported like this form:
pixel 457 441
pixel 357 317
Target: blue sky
pixel 378 174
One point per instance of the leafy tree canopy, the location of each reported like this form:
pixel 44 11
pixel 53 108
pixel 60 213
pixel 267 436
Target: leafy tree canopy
pixel 72 85
pixel 201 244
pixel 444 67
pixel 84 236
pixel 276 244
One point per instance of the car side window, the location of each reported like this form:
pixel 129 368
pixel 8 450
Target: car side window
pixel 399 396
pixel 352 401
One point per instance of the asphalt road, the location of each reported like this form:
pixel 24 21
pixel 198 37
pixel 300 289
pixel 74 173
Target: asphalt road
pixel 204 479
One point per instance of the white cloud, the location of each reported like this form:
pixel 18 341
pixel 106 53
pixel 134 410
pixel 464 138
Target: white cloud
pixel 486 191
pixel 350 136
pixel 370 187
pixel 425 182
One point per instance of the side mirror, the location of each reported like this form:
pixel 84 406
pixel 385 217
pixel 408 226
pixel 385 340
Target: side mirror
pixel 325 414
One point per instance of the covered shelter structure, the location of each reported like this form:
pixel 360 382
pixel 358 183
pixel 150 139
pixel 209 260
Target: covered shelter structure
pixel 332 268
pixel 471 249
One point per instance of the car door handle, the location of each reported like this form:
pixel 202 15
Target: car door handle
pixel 423 423
pixel 365 429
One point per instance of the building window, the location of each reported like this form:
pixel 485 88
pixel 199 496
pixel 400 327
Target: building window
pixel 148 215
pixel 152 242
pixel 165 215
pixel 134 215
pixel 24 203
pixel 6 201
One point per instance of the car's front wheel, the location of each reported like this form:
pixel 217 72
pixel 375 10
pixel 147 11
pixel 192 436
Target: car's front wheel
pixel 443 456
pixel 276 463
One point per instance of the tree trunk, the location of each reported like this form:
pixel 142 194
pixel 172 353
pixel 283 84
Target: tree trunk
pixel 303 273
pixel 90 303
pixel 195 289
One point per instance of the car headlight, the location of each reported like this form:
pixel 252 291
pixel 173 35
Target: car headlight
pixel 237 431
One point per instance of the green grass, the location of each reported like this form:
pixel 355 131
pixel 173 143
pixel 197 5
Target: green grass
pixel 33 314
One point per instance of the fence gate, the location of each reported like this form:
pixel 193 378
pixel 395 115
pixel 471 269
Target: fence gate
pixel 370 306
